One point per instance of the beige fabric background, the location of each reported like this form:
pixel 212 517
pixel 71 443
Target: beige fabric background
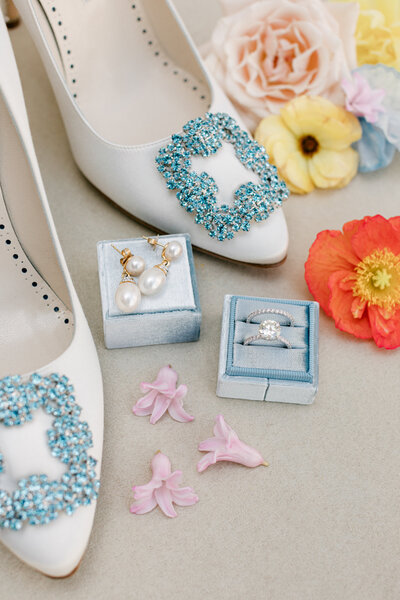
pixel 322 522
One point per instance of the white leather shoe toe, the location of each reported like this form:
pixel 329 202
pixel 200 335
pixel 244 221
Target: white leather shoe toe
pixel 51 397
pixel 127 76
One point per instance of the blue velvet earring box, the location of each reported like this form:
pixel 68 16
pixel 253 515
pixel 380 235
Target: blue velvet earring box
pixel 173 315
pixel 266 370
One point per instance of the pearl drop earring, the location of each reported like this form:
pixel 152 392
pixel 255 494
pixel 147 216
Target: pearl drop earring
pixel 127 296
pixel 152 280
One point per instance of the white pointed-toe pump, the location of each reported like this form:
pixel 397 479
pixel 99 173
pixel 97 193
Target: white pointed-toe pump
pixel 51 398
pixel 127 77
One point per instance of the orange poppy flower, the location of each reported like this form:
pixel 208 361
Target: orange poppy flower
pixel 355 276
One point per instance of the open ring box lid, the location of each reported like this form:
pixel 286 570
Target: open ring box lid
pixel 173 315
pixel 266 369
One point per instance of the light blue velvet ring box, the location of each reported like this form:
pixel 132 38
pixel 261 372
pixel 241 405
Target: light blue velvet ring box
pixel 171 316
pixel 267 370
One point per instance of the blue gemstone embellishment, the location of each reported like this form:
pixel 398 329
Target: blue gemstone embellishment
pixel 37 500
pixel 197 193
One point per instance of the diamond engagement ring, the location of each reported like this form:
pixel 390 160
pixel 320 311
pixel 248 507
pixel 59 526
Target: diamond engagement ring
pixel 270 311
pixel 268 330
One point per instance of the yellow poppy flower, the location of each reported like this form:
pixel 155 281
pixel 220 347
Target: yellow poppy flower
pixel 309 142
pixel 378 32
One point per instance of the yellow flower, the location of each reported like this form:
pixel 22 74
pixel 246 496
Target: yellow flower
pixel 309 142
pixel 378 32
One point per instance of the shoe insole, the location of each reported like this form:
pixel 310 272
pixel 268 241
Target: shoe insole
pixel 35 326
pixel 127 65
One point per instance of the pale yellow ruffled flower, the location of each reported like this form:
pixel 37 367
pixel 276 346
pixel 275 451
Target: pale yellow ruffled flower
pixel 378 32
pixel 309 142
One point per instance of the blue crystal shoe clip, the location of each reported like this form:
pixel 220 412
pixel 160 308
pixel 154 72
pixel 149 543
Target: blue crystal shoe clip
pixel 197 193
pixel 37 500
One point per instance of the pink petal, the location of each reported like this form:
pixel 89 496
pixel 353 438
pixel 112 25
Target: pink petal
pixel 211 445
pixel 164 501
pixel 161 466
pixel 361 99
pixel 224 431
pixel 160 406
pixel 243 455
pixel 206 461
pixel 145 386
pixel 142 412
pixel 143 506
pixel 166 377
pixel 181 392
pixel 174 480
pixel 178 413
pixel 165 382
pixel 163 489
pixel 142 491
pixel 184 496
pixel 231 448
pixel 161 393
pixel 143 404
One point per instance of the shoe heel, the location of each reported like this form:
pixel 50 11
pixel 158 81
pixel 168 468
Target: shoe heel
pixel 11 14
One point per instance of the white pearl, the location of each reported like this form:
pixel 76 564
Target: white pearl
pixel 135 266
pixel 151 281
pixel 173 250
pixel 127 297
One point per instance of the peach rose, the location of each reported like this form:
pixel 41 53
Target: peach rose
pixel 266 52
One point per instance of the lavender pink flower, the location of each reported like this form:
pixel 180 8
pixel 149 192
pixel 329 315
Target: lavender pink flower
pixel 163 395
pixel 361 99
pixel 162 490
pixel 226 445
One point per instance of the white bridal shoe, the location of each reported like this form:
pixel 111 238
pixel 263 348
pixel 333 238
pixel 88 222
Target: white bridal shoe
pixel 127 76
pixel 51 398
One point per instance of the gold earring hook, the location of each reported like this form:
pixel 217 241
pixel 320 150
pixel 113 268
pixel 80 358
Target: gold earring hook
pixel 126 254
pixel 163 266
pixel 153 242
pixel 119 251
